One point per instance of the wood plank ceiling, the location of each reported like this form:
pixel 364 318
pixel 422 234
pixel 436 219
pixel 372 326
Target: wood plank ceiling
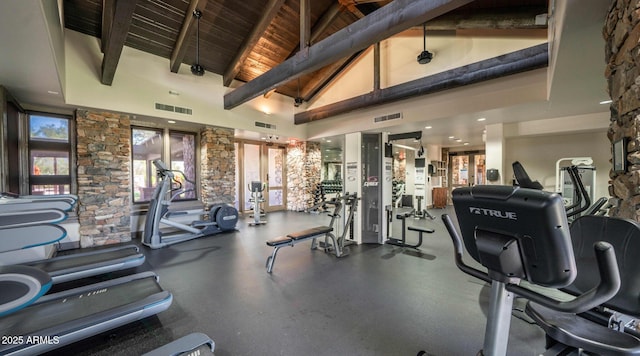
pixel 242 40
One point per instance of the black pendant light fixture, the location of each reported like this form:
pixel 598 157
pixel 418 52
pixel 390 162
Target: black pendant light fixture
pixel 426 56
pixel 197 69
pixel 297 101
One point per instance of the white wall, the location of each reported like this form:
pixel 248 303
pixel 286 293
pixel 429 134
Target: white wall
pixel 142 79
pixel 538 155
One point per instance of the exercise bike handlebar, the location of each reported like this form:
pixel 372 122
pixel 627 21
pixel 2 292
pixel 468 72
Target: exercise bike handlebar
pixel 605 290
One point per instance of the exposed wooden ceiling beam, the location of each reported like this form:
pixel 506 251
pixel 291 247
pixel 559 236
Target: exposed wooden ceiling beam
pixel 269 13
pixel 305 23
pixel 521 18
pixel 107 19
pixel 521 21
pixel 508 64
pixel 384 23
pixel 122 15
pixel 180 48
pixel 324 21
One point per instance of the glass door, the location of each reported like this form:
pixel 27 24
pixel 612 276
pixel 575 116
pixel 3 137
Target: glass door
pixel 468 170
pixel 251 169
pixel 460 171
pixel 265 164
pixel 276 182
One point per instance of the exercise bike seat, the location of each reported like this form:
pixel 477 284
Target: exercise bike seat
pixel 576 330
pixel 523 178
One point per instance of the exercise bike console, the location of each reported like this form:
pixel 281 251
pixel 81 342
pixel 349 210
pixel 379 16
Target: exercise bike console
pixel 517 234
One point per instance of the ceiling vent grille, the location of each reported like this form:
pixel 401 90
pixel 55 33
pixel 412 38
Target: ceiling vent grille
pixel 395 116
pixel 265 125
pixel 178 109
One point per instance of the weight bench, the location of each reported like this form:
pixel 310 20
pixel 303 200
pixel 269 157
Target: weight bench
pixel 299 236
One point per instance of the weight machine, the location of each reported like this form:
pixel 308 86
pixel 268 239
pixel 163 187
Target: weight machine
pixel 256 188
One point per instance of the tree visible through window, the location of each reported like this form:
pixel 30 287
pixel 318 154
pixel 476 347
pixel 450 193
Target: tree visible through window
pixel 49 153
pixel 149 144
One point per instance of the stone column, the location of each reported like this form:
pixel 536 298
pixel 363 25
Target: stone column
pixel 218 166
pixel 622 35
pixel 303 174
pixel 104 177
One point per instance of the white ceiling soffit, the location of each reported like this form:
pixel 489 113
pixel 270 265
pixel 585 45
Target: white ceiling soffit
pixel 32 63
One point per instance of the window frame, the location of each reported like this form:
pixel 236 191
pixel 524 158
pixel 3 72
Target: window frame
pixel 44 145
pixel 165 155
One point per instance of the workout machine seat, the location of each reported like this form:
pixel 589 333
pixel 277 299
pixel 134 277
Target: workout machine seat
pixel 523 177
pixel 581 331
pixel 314 231
pixel 402 242
pixel 278 241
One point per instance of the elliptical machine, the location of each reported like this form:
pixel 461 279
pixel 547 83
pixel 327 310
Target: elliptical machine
pixel 256 188
pixel 220 217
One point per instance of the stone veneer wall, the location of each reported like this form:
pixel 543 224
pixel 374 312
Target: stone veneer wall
pixel 218 166
pixel 304 162
pixel 622 36
pixel 104 178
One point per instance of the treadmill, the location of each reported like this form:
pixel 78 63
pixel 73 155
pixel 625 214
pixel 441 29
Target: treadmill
pixel 25 229
pixel 90 263
pixel 59 319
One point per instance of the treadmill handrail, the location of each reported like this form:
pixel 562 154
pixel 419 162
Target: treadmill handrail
pixel 77 328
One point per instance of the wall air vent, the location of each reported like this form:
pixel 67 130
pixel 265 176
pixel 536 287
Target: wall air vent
pixel 178 109
pixel 265 125
pixel 395 116
pixel 164 107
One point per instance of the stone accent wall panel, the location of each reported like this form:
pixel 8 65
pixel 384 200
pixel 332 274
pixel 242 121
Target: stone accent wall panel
pixel 218 166
pixel 304 164
pixel 104 177
pixel 621 32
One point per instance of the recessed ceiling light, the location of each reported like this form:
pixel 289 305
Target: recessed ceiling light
pixel 428 127
pixel 171 121
pixel 458 140
pixel 329 141
pixel 451 137
pixel 482 119
pixel 466 143
pixel 606 102
pixel 52 92
pixel 264 138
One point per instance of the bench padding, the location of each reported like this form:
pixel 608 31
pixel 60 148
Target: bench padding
pixel 304 234
pixel 281 240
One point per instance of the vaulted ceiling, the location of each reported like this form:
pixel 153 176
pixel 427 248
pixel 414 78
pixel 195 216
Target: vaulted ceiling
pixel 242 40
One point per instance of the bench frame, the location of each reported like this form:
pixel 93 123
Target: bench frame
pixel 291 240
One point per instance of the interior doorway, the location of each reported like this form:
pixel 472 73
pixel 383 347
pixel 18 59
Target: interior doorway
pixel 467 169
pixel 265 163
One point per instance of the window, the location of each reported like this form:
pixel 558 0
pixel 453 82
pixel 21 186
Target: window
pixel 49 155
pixel 149 144
pixel 183 152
